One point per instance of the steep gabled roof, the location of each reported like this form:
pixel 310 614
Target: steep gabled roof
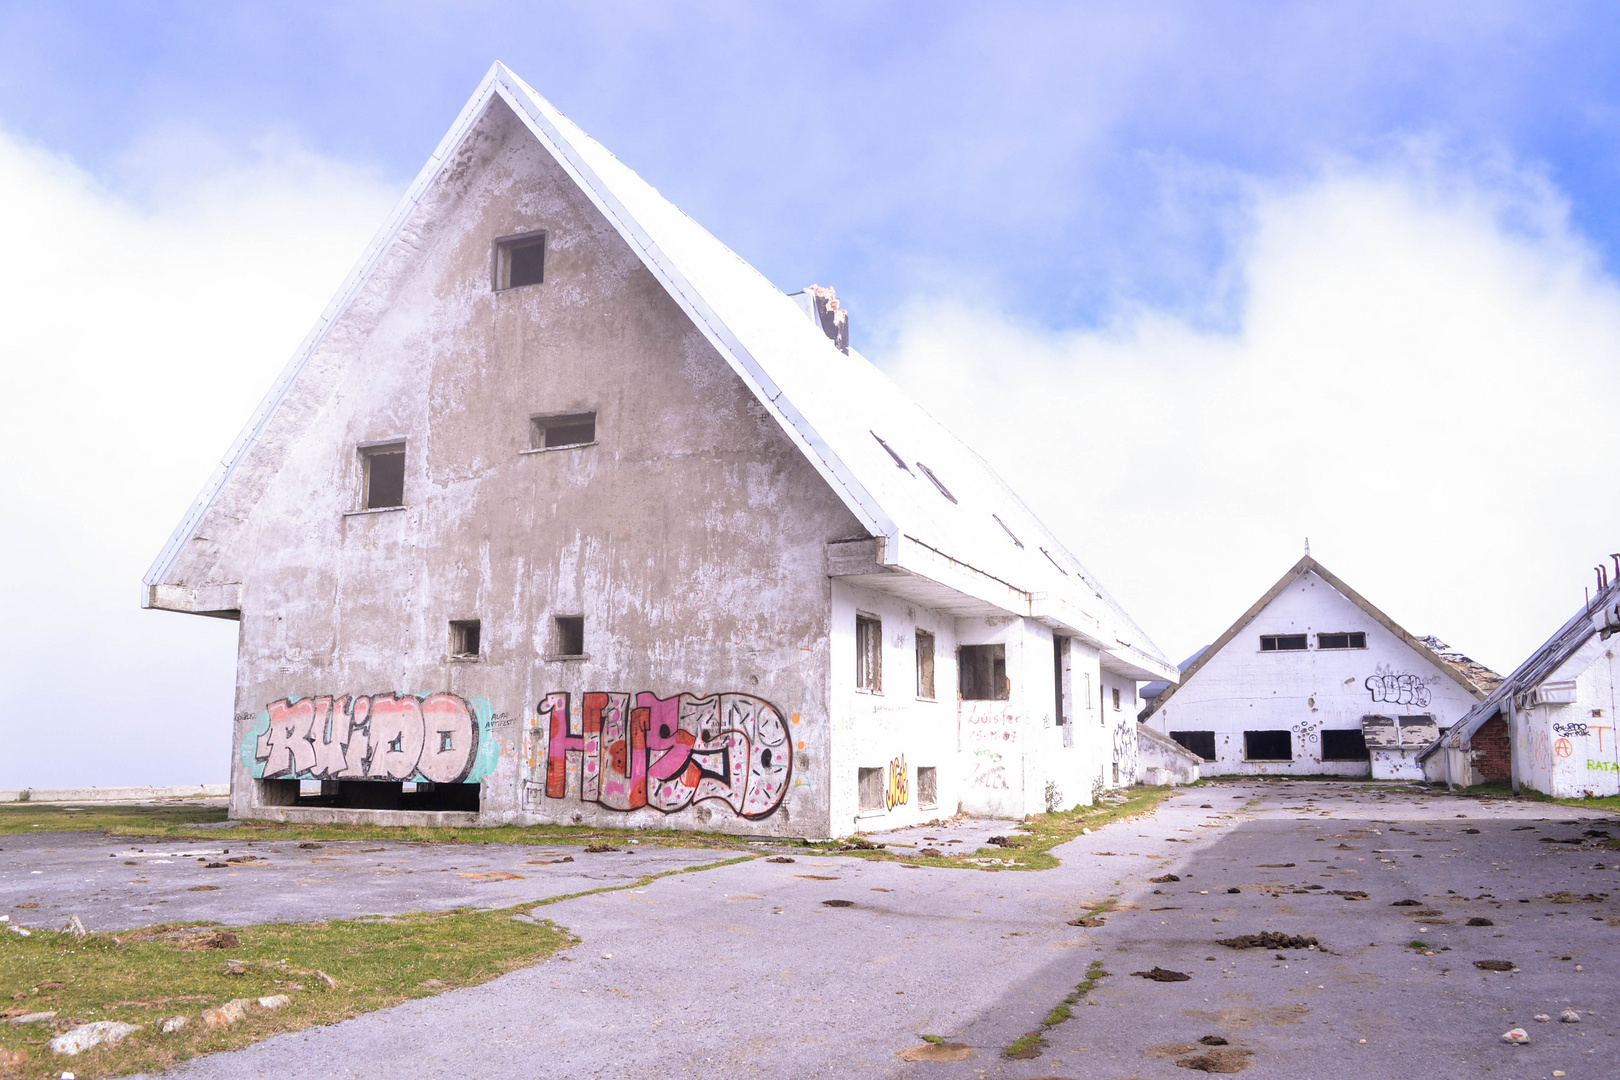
pixel 1537 668
pixel 1308 565
pixel 901 474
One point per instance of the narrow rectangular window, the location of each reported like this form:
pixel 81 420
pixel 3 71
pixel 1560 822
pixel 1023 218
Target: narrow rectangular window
pixel 1349 745
pixel 464 639
pixel 1201 743
pixel 1268 745
pixel 1283 642
pixel 870 788
pixel 566 429
pixel 1116 699
pixel 519 261
pixel 1356 640
pixel 927 786
pixel 569 639
pixel 868 653
pixel 982 672
pixel 383 480
pixel 925 665
pixel 1060 654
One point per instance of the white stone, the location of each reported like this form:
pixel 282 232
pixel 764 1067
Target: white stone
pixel 1516 1036
pixel 275 1001
pixel 85 1036
pixel 173 1024
pixel 33 1018
pixel 1570 1016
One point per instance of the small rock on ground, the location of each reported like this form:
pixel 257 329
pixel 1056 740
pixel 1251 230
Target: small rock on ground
pixel 1517 1036
pixel 1569 1016
pixel 173 1024
pixel 33 1018
pixel 275 1001
pixel 85 1036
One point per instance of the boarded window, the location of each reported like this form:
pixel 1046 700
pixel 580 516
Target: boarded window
pixel 868 653
pixel 982 672
pixel 1201 743
pixel 1268 746
pixel 464 639
pixel 1283 642
pixel 872 788
pixel 569 635
pixel 384 476
pixel 927 786
pixel 567 429
pixel 1060 657
pixel 1350 745
pixel 1350 640
pixel 520 260
pixel 925 665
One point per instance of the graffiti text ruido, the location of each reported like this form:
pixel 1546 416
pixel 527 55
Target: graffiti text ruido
pixel 667 753
pixel 370 737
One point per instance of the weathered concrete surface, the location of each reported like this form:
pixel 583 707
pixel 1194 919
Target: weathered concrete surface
pixel 744 971
pixel 139 795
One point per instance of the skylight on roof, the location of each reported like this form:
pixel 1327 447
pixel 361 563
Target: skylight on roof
pixel 943 490
pixel 1053 561
pixel 1009 532
pixel 898 460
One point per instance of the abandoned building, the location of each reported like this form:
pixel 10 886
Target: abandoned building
pixel 564 513
pixel 1546 726
pixel 1314 680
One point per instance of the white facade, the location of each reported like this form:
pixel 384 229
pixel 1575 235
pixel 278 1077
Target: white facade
pixel 1268 698
pixel 1566 735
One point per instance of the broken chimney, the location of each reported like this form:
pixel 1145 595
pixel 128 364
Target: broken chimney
pixel 820 303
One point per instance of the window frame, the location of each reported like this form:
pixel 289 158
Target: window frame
pixel 868 653
pixel 1350 640
pixel 1277 640
pixel 997 692
pixel 879 783
pixel 927 672
pixel 501 258
pixel 927 777
pixel 1214 752
pixel 1285 732
pixel 539 423
pixel 370 451
pixel 559 640
pixel 458 640
pixel 1365 755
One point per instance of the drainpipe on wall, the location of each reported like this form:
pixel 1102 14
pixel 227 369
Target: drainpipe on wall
pixel 1513 741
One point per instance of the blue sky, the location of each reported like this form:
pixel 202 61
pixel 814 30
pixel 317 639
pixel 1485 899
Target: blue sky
pixel 1202 280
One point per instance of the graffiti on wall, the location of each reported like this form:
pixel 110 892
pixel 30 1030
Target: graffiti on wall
pixel 989 774
pixel 666 753
pixel 1398 689
pixel 898 791
pixel 436 737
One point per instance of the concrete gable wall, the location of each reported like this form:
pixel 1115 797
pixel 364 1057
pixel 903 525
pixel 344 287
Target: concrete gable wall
pixel 690 537
pixel 1242 688
pixel 1567 749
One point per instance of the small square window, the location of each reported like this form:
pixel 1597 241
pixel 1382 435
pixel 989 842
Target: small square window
pixel 569 429
pixel 383 476
pixel 927 786
pixel 981 672
pixel 868 653
pixel 872 789
pixel 464 639
pixel 1283 642
pixel 925 665
pixel 519 261
pixel 569 639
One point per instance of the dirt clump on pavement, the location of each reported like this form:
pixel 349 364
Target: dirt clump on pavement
pixel 838 903
pixel 781 859
pixel 1164 879
pixel 1495 965
pixel 1159 974
pixel 1214 1040
pixel 1225 1059
pixel 1480 920
pixel 1563 897
pixel 1407 903
pixel 1269 939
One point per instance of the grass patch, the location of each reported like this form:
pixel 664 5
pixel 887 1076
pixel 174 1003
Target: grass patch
pixel 1028 1045
pixel 141 977
pixel 1029 842
pixel 200 823
pixel 937 1040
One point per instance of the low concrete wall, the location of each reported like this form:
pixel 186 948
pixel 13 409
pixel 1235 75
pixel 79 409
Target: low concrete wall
pixel 1163 762
pixel 115 794
pixel 333 815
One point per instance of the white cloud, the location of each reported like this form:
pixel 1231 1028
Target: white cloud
pixel 1421 382
pixel 135 339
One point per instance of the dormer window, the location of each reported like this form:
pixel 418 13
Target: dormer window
pixel 520 261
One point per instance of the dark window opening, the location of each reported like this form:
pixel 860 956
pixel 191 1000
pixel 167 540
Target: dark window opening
pixel 520 261
pixel 943 490
pixel 1349 745
pixel 1283 642
pixel 573 429
pixel 570 631
pixel 1116 699
pixel 1201 743
pixel 1268 746
pixel 1415 721
pixel 898 460
pixel 982 672
pixel 868 653
pixel 1356 640
pixel 1008 531
pixel 384 476
pixel 927 786
pixel 925 665
pixel 871 789
pixel 1060 653
pixel 464 639
pixel 372 795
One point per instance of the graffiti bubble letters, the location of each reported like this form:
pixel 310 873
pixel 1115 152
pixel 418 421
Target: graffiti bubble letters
pixel 898 792
pixel 376 737
pixel 667 753
pixel 1398 689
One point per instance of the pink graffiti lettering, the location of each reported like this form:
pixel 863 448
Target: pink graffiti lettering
pixel 667 753
pixel 376 737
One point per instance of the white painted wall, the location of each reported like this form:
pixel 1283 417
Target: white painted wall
pixel 1568 749
pixel 1242 688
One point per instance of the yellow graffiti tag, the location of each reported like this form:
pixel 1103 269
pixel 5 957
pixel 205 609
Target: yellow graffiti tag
pixel 899 790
